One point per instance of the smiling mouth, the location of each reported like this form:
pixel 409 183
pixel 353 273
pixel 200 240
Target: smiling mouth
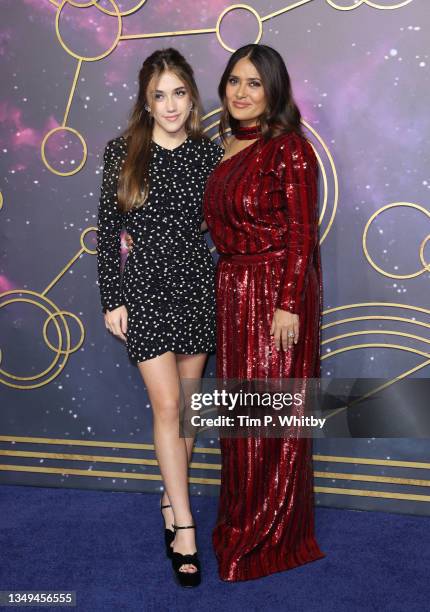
pixel 240 105
pixel 172 118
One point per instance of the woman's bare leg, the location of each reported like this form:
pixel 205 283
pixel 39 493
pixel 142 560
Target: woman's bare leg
pixel 190 368
pixel 161 376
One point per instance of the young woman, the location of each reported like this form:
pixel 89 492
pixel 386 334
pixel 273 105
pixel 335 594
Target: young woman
pixel 261 208
pixel 164 306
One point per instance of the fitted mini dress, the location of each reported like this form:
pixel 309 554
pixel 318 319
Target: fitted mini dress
pixel 167 284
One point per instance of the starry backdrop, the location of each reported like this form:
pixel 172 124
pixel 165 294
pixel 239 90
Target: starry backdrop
pixel 74 411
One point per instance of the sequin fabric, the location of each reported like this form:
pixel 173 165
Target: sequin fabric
pixel 261 208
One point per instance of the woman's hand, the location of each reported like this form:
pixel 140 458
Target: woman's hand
pixel 285 329
pixel 129 242
pixel 204 226
pixel 116 321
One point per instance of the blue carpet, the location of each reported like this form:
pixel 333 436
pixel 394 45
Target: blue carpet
pixel 107 547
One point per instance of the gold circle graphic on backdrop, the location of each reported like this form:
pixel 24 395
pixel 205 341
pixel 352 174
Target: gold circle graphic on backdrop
pixel 376 5
pixel 63 349
pixel 1 200
pixel 53 363
pixel 234 7
pixel 426 266
pixel 324 179
pixel 122 13
pixel 82 238
pixel 422 247
pixel 85 4
pixel 84 146
pixel 81 329
pixel 77 55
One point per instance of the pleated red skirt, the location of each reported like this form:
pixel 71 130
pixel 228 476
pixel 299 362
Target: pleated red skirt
pixel 265 520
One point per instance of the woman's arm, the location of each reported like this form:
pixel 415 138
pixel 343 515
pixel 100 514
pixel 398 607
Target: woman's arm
pixel 214 154
pixel 110 222
pixel 301 200
pixel 300 194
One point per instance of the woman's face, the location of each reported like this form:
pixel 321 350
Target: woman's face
pixel 245 96
pixel 169 101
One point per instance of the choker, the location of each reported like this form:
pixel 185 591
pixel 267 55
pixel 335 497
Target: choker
pixel 247 133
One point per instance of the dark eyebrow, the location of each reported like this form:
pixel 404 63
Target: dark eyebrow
pixel 250 78
pixel 176 89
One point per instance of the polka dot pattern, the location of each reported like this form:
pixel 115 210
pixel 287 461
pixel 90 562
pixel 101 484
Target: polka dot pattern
pixel 168 280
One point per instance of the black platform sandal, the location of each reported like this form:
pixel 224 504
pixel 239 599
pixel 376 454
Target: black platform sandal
pixel 186 579
pixel 169 535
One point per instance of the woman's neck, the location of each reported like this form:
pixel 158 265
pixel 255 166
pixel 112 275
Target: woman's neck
pixel 168 140
pixel 247 132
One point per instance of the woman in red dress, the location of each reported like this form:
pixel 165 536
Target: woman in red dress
pixel 261 208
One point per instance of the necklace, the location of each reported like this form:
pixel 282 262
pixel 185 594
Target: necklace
pixel 247 133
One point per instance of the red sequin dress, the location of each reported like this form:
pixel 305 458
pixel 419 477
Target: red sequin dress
pixel 261 208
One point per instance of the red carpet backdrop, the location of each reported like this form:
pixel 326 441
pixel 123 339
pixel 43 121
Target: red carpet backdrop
pixel 74 412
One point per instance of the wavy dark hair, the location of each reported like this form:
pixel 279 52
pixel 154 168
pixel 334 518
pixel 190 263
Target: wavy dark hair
pixel 133 183
pixel 281 114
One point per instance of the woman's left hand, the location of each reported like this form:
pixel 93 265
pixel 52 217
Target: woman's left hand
pixel 285 329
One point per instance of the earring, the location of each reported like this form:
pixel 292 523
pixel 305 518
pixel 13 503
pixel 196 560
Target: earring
pixel 147 108
pixel 191 107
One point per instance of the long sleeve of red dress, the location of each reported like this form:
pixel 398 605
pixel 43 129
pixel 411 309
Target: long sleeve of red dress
pixel 300 190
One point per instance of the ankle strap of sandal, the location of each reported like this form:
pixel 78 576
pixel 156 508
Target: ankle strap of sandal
pixel 185 527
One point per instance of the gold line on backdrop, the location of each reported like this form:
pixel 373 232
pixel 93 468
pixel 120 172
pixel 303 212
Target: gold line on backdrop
pixel 207 466
pixel 214 451
pixel 209 481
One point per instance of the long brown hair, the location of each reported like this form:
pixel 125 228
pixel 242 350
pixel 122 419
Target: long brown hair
pixel 281 114
pixel 133 183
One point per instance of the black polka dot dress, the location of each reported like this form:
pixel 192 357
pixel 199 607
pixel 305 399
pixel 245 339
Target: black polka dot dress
pixel 167 284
